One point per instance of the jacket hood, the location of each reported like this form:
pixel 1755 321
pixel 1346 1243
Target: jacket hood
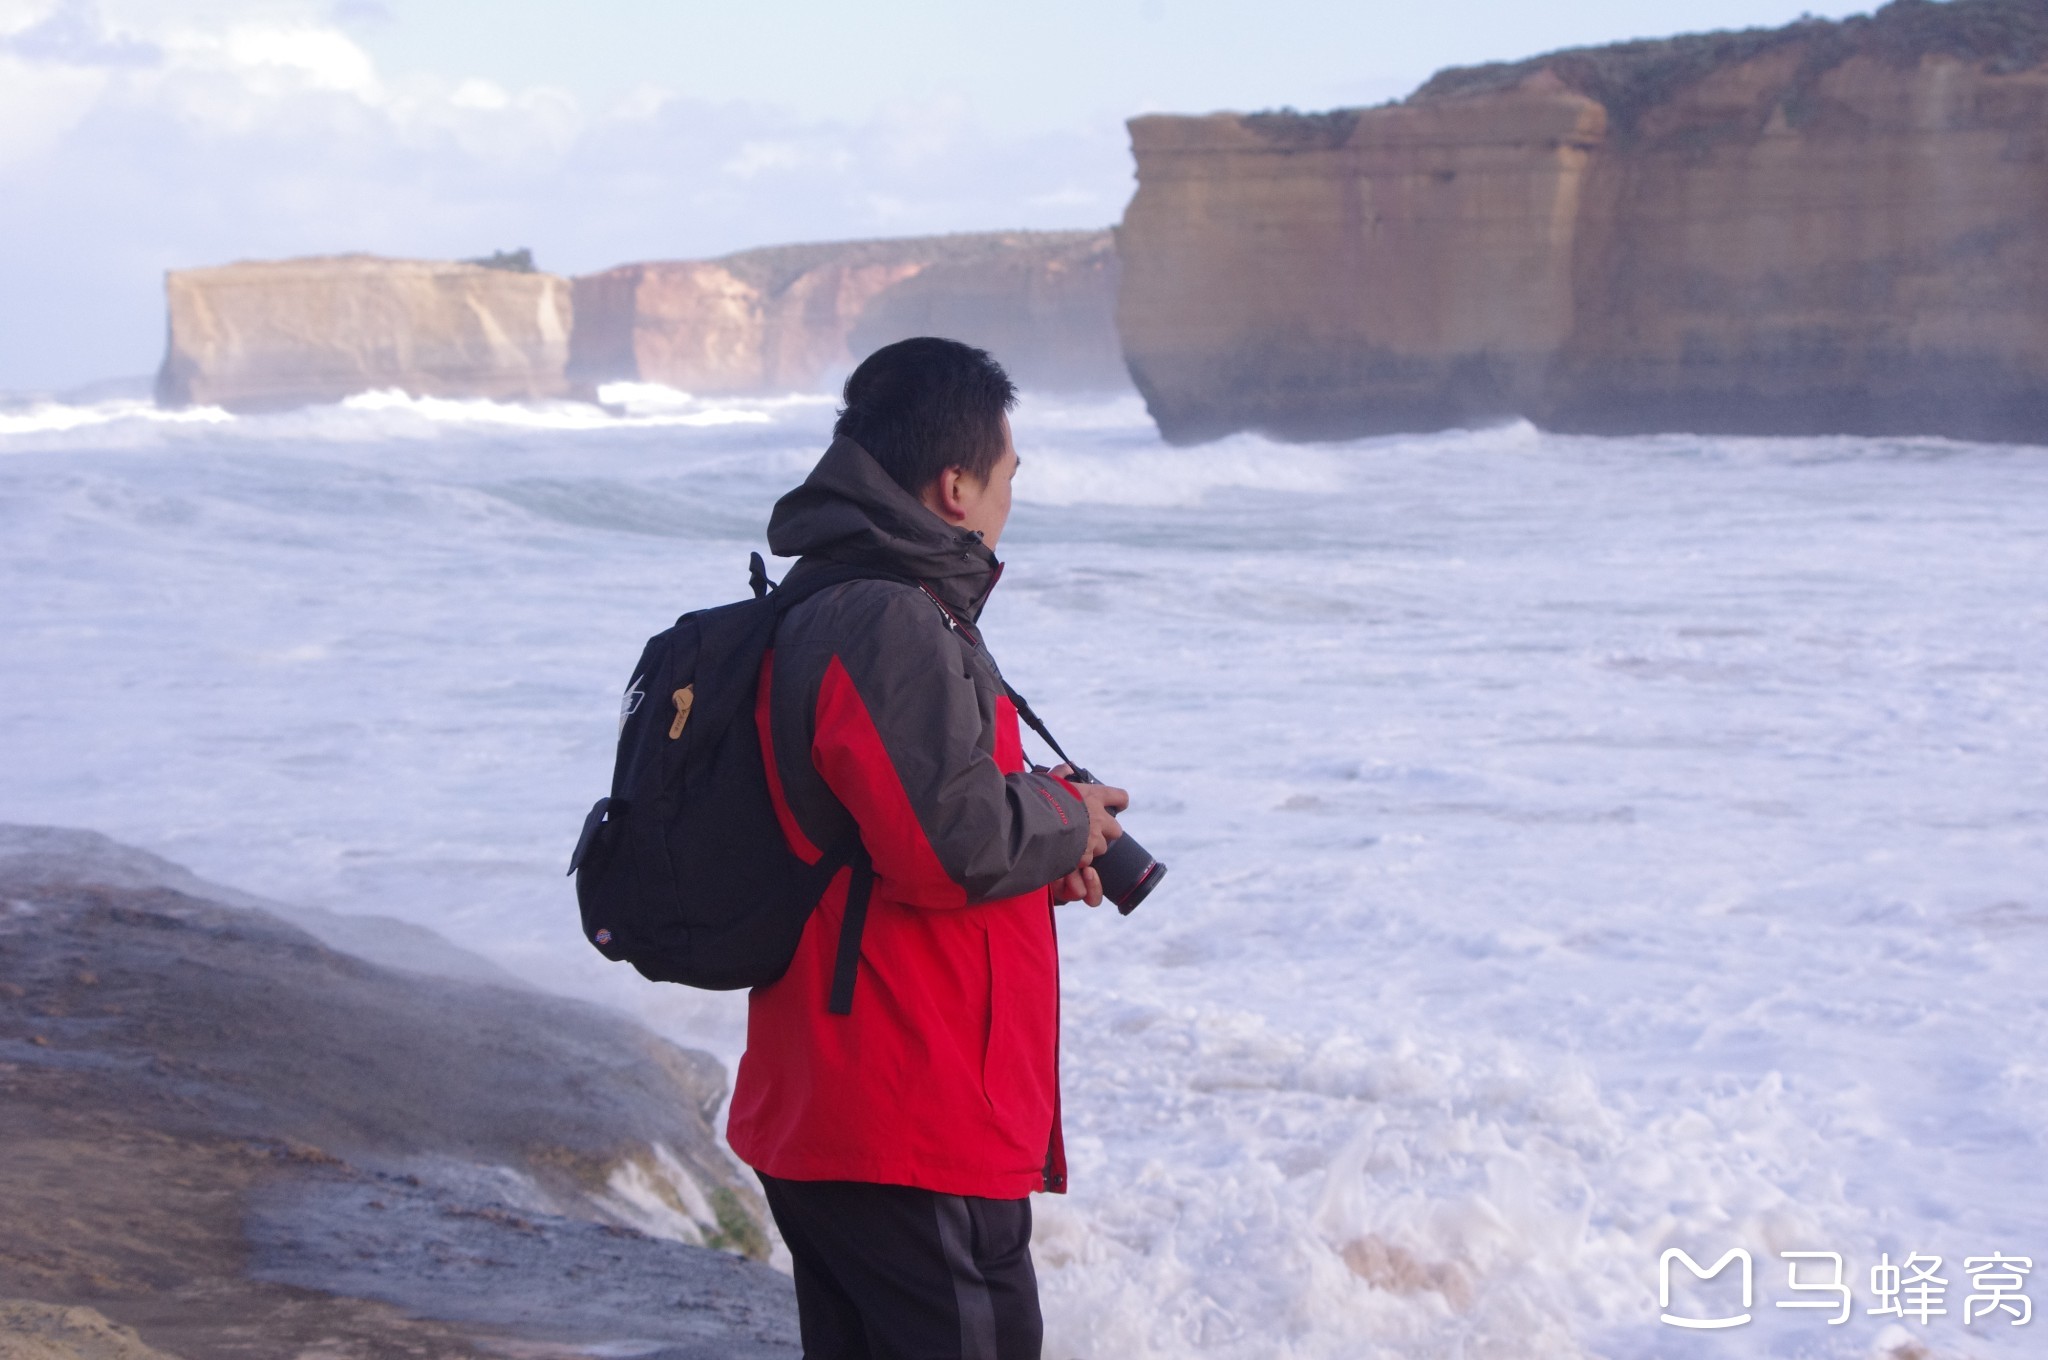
pixel 850 510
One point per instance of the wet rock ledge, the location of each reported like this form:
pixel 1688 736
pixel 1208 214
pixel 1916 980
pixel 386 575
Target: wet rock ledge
pixel 221 1135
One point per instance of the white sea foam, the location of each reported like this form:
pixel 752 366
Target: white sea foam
pixel 658 1195
pixel 50 417
pixel 655 401
pixel 639 406
pixel 1579 847
pixel 1150 476
pixel 394 414
pixel 622 406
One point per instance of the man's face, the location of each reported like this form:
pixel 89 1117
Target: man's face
pixel 972 503
pixel 991 510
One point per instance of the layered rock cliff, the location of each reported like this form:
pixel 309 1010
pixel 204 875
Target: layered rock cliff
pixel 282 333
pixel 276 334
pixel 796 318
pixel 1821 228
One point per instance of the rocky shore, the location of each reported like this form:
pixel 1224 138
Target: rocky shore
pixel 235 1140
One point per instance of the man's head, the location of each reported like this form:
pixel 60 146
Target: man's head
pixel 934 414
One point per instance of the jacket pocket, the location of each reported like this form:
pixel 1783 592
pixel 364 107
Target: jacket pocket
pixel 1017 1064
pixel 991 1029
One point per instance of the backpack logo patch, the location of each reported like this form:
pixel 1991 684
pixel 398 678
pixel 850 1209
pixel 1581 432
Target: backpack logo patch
pixel 629 702
pixel 685 697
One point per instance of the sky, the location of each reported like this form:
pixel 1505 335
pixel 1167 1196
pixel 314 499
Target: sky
pixel 138 136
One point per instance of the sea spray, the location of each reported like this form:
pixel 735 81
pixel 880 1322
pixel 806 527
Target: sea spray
pixel 1581 847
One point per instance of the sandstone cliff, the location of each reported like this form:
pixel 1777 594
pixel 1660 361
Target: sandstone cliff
pixel 796 318
pixel 275 334
pixel 1821 228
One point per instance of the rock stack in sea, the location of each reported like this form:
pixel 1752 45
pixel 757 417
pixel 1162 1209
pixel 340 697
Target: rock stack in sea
pixel 274 334
pixel 1827 227
pixel 795 318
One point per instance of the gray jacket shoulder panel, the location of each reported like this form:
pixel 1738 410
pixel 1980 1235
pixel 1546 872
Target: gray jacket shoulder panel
pixel 931 697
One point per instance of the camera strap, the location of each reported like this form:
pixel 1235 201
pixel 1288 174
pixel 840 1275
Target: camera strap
pixel 1022 705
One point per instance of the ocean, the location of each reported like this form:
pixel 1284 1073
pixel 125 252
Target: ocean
pixel 1580 848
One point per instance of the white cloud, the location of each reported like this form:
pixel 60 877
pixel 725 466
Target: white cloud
pixel 40 103
pixel 755 159
pixel 642 101
pixel 16 15
pixel 301 58
pixel 480 94
pixel 1068 196
pixel 245 68
pixel 136 137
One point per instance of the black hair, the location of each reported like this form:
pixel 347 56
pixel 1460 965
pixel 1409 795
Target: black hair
pixel 925 404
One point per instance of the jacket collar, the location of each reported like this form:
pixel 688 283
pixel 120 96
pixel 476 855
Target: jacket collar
pixel 849 510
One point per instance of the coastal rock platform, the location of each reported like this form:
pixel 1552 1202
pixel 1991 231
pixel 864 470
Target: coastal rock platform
pixel 239 1141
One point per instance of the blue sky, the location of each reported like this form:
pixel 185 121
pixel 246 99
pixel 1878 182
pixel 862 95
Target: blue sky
pixel 1050 64
pixel 141 135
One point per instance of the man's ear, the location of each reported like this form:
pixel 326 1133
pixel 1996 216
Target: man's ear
pixel 946 496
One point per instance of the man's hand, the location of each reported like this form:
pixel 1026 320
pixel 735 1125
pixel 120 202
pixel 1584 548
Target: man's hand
pixel 1082 885
pixel 1102 801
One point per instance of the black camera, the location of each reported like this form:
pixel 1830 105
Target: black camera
pixel 1127 869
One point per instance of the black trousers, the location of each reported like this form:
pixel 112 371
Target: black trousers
pixel 891 1272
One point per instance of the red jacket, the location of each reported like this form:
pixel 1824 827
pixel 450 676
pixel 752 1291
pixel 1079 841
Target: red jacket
pixel 879 709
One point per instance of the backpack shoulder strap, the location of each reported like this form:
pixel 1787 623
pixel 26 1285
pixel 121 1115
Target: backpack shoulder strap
pixel 783 597
pixel 811 577
pixel 846 963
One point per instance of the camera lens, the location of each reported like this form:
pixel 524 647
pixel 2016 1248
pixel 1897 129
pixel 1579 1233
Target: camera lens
pixel 1128 872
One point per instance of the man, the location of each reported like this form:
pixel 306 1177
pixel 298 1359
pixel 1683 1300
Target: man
pixel 897 1144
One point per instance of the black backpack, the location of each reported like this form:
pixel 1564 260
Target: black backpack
pixel 683 871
